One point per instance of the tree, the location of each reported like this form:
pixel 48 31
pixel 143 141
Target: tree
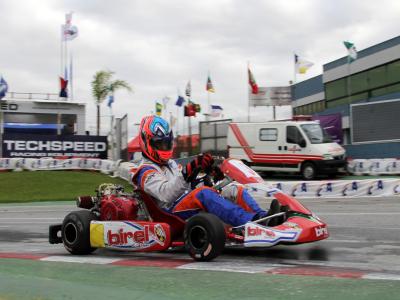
pixel 103 86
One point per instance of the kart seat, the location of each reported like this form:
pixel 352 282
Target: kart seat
pixel 176 224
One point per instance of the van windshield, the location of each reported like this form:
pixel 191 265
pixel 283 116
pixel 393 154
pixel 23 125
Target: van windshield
pixel 316 134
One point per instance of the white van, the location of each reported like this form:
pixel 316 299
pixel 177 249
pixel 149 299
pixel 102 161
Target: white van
pixel 286 146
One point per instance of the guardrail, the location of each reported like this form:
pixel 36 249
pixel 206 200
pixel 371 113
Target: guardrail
pixel 31 96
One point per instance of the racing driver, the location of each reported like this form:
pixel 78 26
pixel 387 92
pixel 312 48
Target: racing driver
pixel 159 176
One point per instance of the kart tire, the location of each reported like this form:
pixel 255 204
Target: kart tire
pixel 204 237
pixel 75 232
pixel 308 171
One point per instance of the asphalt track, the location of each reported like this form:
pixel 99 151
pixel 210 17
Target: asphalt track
pixel 365 239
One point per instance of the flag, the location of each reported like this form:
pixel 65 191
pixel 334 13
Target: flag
pixel 301 64
pixel 197 107
pixel 159 108
pixel 216 110
pixel 209 85
pixel 180 101
pixel 165 100
pixel 190 110
pixel 63 89
pixel 188 90
pixel 3 87
pixel 352 52
pixel 252 82
pixel 69 31
pixel 110 100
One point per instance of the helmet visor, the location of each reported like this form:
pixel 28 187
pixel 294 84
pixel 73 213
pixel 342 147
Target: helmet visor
pixel 164 143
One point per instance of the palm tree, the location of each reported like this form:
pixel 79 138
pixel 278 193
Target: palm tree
pixel 102 86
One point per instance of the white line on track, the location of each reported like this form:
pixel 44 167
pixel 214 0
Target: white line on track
pixel 31 211
pixel 360 241
pixel 36 206
pixel 366 227
pixel 358 213
pixel 29 218
pixel 82 259
pixel 30 223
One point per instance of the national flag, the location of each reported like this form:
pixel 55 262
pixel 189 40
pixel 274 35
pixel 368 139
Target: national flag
pixel 190 110
pixel 180 101
pixel 352 52
pixel 301 64
pixel 3 87
pixel 63 89
pixel 188 90
pixel 216 110
pixel 159 108
pixel 69 31
pixel 110 100
pixel 197 107
pixel 252 82
pixel 209 85
pixel 165 100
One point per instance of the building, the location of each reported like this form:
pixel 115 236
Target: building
pixel 40 113
pixel 42 125
pixel 366 93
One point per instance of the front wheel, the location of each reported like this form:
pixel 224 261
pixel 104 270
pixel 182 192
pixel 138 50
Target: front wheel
pixel 204 237
pixel 75 232
pixel 308 171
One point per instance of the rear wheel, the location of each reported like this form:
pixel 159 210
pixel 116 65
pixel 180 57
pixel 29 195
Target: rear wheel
pixel 204 237
pixel 75 232
pixel 308 171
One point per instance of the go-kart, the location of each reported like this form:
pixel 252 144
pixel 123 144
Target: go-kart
pixel 133 222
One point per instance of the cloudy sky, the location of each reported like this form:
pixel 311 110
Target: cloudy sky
pixel 157 46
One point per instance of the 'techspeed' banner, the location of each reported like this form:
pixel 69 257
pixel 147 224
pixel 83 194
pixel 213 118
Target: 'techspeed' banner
pixel 36 146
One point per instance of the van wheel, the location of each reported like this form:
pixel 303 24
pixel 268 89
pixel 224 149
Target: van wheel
pixel 308 171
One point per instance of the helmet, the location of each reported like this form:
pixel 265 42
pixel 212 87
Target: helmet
pixel 156 139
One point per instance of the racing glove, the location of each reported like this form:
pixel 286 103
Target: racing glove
pixel 201 162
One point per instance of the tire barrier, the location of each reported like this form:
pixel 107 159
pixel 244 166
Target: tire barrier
pixel 298 189
pixel 384 166
pixel 340 188
pixel 46 164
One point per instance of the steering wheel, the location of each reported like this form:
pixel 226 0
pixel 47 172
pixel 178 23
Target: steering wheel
pixel 211 176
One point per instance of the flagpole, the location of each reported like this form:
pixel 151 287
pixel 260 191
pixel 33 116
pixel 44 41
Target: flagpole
pixel 1 131
pixel 61 50
pixel 177 114
pixel 349 92
pixel 295 72
pixel 294 81
pixel 248 92
pixel 111 132
pixel 190 132
pixel 71 75
pixel 208 98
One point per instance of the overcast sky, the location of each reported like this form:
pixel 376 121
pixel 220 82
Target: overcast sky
pixel 157 46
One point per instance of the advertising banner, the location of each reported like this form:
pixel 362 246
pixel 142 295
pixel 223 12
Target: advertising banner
pixel 37 146
pixel 332 125
pixel 271 96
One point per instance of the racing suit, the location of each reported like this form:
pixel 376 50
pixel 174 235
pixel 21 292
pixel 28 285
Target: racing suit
pixel 167 185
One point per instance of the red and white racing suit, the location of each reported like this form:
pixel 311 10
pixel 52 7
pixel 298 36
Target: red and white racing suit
pixel 166 184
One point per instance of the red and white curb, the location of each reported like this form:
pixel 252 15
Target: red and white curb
pixel 222 266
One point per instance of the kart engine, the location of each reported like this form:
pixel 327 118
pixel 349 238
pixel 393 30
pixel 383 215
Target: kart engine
pixel 111 203
pixel 114 207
